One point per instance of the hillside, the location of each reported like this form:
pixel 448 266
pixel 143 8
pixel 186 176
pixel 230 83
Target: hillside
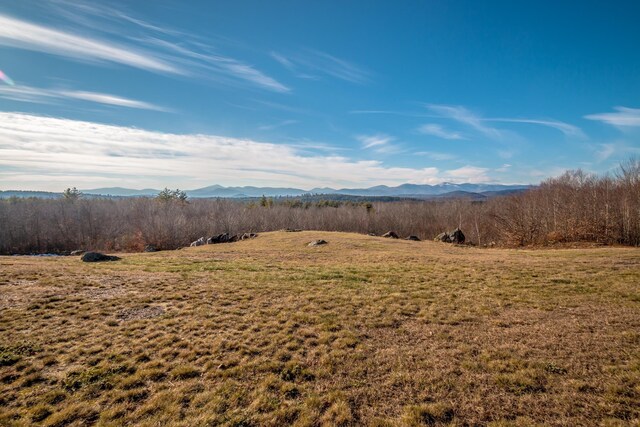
pixel 363 330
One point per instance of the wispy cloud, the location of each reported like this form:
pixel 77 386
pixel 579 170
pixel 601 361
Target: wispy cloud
pixel 35 151
pixel 311 63
pixel 615 149
pixel 380 143
pixel 377 140
pixel 434 155
pixel 481 124
pixel 439 131
pixel 165 51
pixel 25 35
pixel 277 125
pixel 622 117
pixel 45 96
pixel 466 117
pixel 471 174
pixel 565 128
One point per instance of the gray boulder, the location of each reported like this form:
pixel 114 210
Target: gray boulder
pixel 77 252
pixel 318 242
pixel 391 235
pixel 247 236
pixel 219 238
pixel 198 242
pixel 150 248
pixel 98 257
pixel 443 237
pixel 414 238
pixel 456 236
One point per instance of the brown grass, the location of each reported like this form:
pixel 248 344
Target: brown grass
pixel 362 331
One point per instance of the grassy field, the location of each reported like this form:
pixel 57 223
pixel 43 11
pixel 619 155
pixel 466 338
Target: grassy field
pixel 362 331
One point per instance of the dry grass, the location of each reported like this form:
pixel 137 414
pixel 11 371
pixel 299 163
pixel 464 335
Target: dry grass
pixel 362 331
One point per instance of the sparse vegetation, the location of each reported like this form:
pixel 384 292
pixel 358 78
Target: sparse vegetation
pixel 362 331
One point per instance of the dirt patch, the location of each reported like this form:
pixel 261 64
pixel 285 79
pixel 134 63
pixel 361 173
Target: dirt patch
pixel 140 313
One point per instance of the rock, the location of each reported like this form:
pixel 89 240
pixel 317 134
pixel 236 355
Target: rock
pixel 198 242
pixel 390 234
pixel 318 242
pixel 442 237
pixel 414 238
pixel 98 257
pixel 77 252
pixel 291 230
pixel 233 238
pixel 150 248
pixel 247 236
pixel 457 236
pixel 219 238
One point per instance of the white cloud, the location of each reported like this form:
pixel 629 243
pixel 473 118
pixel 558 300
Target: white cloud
pixel 439 131
pixel 278 125
pixel 474 121
pixel 32 146
pixel 433 155
pixel 380 143
pixel 377 140
pixel 623 117
pixel 185 56
pixel 605 151
pixel 616 149
pixel 471 174
pixel 25 35
pixel 311 62
pixel 565 128
pixel 45 96
pixel 466 117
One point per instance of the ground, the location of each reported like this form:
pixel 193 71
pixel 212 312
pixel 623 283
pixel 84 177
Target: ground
pixel 361 331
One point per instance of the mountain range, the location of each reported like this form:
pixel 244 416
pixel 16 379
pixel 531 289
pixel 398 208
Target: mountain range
pixel 405 190
pixel 416 191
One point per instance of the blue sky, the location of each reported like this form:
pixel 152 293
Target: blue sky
pixel 306 94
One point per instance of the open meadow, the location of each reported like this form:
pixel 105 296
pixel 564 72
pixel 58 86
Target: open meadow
pixel 361 331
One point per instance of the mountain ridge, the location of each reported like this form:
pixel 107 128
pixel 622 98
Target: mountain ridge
pixel 218 191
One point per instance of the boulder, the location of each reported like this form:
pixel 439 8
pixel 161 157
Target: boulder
pixel 390 234
pixel 198 242
pixel 150 248
pixel 98 257
pixel 219 238
pixel 77 252
pixel 318 242
pixel 247 236
pixel 443 237
pixel 414 238
pixel 457 236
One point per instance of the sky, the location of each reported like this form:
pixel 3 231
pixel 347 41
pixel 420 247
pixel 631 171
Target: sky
pixel 312 94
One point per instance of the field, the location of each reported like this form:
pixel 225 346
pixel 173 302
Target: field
pixel 362 331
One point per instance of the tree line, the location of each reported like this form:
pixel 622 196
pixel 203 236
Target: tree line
pixel 575 207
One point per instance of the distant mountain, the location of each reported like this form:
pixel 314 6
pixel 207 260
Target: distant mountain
pixel 25 194
pixel 414 191
pixel 419 190
pixel 243 192
pixel 121 192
